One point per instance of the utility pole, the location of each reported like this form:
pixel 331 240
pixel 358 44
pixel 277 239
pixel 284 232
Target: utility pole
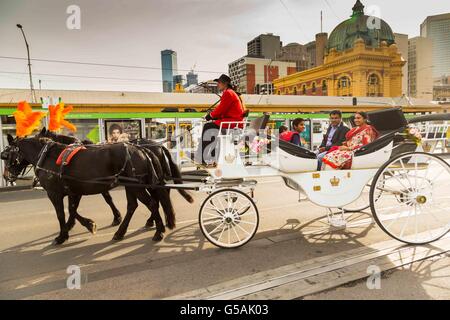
pixel 33 95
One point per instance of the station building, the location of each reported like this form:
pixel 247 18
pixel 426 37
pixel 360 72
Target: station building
pixel 359 61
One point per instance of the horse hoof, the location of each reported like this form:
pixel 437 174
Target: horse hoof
pixel 92 227
pixel 158 237
pixel 59 241
pixel 118 237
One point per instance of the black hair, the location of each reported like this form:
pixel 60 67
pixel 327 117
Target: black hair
pixel 115 126
pixel 283 129
pixel 297 122
pixel 363 114
pixel 336 113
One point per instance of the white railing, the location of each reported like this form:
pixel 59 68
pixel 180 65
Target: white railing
pixel 435 136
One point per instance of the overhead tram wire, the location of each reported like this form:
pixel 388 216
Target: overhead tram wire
pixel 83 77
pixel 105 64
pixel 332 10
pixel 294 19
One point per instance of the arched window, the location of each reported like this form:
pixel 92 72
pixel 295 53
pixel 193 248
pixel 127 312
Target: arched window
pixel 345 82
pixel 295 91
pixel 313 87
pixel 304 89
pixel 344 87
pixel 324 85
pixel 374 86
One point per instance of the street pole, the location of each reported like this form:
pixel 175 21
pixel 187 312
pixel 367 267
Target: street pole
pixel 33 96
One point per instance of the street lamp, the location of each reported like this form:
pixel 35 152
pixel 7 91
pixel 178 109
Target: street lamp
pixel 33 97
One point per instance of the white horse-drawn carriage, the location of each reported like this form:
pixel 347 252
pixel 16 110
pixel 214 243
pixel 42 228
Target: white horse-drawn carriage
pixel 409 190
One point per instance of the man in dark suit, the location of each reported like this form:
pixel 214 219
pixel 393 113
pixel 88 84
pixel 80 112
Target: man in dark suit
pixel 335 136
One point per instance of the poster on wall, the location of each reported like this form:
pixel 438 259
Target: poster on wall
pixel 122 130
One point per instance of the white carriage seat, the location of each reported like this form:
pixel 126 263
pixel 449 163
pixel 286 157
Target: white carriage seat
pixel 294 159
pixel 375 154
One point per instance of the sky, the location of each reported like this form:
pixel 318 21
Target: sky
pixel 207 35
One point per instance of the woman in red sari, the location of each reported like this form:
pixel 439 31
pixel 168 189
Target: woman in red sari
pixel 361 135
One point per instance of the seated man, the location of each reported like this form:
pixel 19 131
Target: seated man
pixel 335 136
pixel 361 135
pixel 294 136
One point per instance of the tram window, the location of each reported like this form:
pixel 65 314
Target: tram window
pixel 156 130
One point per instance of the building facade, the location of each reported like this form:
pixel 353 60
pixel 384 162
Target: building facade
pixel 267 46
pixel 295 52
pixel 420 73
pixel 359 62
pixel 251 74
pixel 441 89
pixel 402 42
pixel 437 29
pixel 191 79
pixel 169 69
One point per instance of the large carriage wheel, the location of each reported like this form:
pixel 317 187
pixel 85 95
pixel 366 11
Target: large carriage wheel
pixel 229 218
pixel 410 198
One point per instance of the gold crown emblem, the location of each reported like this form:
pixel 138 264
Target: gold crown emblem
pixel 335 182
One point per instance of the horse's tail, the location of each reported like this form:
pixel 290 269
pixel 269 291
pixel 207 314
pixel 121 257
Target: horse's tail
pixel 176 175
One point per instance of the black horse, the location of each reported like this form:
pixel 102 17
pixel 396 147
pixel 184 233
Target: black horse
pixel 160 156
pixel 106 195
pixel 95 170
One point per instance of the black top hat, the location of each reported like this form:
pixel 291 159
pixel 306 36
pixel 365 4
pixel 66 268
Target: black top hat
pixel 224 79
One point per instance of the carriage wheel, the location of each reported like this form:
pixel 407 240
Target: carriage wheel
pixel 410 198
pixel 229 218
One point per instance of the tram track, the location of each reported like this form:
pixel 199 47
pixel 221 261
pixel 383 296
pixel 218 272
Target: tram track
pixel 316 275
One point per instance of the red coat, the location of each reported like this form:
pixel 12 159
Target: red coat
pixel 229 109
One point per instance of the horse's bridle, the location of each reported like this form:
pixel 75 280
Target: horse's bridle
pixel 12 157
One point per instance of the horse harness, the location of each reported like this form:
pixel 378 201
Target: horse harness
pixel 113 181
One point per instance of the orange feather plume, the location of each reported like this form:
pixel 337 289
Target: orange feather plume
pixel 57 118
pixel 27 120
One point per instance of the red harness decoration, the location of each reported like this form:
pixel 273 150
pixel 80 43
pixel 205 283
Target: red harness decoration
pixel 68 153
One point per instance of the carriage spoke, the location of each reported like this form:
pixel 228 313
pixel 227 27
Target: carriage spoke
pixel 247 222
pixel 391 223
pixel 427 223
pixel 211 221
pixel 393 175
pixel 224 218
pixel 218 215
pixel 237 236
pixel 406 224
pixel 221 234
pixel 237 224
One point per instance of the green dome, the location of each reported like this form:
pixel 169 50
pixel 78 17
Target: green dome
pixel 345 34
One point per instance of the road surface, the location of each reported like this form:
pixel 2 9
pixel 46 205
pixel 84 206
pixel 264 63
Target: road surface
pixel 137 268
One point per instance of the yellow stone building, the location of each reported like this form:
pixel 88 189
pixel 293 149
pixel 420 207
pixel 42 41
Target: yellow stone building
pixel 361 60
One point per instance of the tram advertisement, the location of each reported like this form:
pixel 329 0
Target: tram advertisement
pixel 122 130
